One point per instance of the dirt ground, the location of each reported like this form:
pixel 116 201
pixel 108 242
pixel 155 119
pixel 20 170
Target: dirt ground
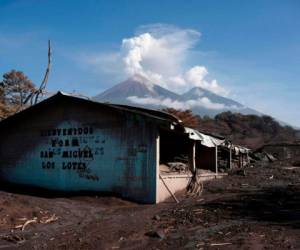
pixel 258 208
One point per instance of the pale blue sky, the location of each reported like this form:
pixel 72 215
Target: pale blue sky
pixel 252 48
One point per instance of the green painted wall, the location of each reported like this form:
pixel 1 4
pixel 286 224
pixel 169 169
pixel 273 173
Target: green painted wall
pixel 77 146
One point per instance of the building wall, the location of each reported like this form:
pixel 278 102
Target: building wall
pixel 77 146
pixel 174 183
pixel 205 157
pixel 178 183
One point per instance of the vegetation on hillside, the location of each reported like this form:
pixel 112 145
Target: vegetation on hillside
pixel 249 130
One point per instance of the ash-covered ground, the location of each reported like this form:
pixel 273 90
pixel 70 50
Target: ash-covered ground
pixel 255 208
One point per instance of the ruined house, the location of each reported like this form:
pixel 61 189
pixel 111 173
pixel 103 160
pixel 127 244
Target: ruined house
pixel 66 143
pixel 283 151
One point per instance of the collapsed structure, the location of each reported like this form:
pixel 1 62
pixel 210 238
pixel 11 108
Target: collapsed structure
pixel 67 143
pixel 283 151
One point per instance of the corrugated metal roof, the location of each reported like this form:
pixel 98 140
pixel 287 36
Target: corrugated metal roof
pixel 239 149
pixel 206 140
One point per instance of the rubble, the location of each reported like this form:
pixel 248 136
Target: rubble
pixel 178 167
pixel 260 155
pixel 283 151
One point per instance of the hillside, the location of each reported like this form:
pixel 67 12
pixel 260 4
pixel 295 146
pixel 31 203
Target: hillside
pixel 248 130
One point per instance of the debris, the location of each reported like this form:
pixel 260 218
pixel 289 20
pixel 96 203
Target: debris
pixel 179 164
pixel 22 219
pixel 220 244
pixel 14 238
pixel 283 151
pixel 200 244
pixel 43 220
pixel 156 217
pixel 156 234
pixel 178 167
pixel 195 186
pixel 271 177
pixel 290 168
pixel 296 164
pixel 34 220
pixel 261 155
pixel 241 172
pixel 48 220
pixel 198 211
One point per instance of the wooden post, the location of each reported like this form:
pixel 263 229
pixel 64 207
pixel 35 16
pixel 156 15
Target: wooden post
pixel 194 156
pixel 248 158
pixel 157 166
pixel 216 156
pixel 240 160
pixel 230 158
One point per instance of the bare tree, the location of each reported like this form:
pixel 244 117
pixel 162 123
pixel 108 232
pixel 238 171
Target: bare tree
pixel 38 93
pixel 17 91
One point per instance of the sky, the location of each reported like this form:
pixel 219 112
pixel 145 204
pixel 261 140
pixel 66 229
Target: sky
pixel 246 50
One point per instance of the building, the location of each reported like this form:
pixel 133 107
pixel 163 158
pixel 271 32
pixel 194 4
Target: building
pixel 283 151
pixel 67 143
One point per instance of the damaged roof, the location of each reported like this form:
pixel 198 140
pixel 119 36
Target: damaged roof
pixel 212 141
pixel 206 140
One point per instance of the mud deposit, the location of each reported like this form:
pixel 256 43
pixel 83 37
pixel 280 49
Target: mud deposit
pixel 258 208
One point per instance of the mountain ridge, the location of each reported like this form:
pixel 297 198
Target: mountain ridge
pixel 140 92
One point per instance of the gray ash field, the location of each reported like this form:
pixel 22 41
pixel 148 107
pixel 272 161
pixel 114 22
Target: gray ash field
pixel 254 208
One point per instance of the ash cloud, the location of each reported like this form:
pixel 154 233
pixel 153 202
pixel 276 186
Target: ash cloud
pixel 158 53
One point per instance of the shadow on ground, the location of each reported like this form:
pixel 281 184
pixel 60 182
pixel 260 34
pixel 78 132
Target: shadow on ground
pixel 276 205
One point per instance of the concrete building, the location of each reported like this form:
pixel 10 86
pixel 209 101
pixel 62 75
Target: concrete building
pixel 67 143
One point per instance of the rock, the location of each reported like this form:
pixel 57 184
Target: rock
pixel 296 163
pixel 190 245
pixel 176 235
pixel 156 217
pixel 156 234
pixel 241 172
